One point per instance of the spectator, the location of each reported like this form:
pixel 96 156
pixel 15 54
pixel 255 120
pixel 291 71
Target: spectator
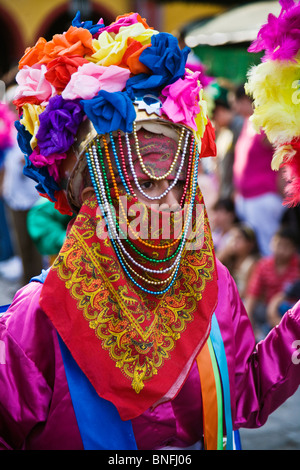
pixel 228 127
pixel 47 228
pixel 223 218
pixel 271 275
pixel 282 302
pixel 240 255
pixel 19 194
pixel 258 188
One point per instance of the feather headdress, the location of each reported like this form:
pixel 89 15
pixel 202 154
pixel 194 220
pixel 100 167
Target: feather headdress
pixel 275 87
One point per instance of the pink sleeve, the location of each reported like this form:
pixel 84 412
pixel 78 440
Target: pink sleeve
pixel 263 375
pixel 273 372
pixel 24 392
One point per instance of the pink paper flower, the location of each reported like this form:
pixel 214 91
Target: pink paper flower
pixel 91 78
pixel 51 161
pixel 32 83
pixel 124 21
pixel 181 103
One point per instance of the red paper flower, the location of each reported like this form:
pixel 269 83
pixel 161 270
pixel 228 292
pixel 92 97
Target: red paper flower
pixel 60 70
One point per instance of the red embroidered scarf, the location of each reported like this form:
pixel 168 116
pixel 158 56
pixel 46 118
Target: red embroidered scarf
pixel 135 348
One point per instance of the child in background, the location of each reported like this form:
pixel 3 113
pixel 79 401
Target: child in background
pixel 282 302
pixel 223 217
pixel 240 255
pixel 271 275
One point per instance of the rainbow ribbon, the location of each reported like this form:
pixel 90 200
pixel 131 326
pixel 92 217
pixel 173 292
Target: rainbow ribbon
pixel 215 387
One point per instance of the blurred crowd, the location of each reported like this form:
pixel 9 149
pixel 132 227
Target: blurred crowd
pixel 255 235
pixel 31 230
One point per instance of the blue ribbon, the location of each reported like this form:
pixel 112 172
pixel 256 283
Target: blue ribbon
pixel 99 422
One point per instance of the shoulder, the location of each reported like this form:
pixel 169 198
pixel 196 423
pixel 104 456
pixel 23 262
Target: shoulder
pixel 25 324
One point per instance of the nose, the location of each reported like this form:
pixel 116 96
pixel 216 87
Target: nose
pixel 169 202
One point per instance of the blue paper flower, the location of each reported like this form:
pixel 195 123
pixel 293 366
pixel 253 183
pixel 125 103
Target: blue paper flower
pixel 93 28
pixel 23 138
pixel 46 183
pixel 110 111
pixel 165 60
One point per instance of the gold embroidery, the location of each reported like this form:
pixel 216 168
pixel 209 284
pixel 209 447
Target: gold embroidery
pixel 138 333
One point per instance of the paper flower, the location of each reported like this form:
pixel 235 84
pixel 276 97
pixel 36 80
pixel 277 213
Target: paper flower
pixel 110 111
pixel 58 125
pixel 109 49
pixel 60 70
pixel 31 120
pixel 23 138
pixel 93 28
pixel 46 183
pixel 131 57
pixel 33 87
pixel 181 102
pixel 166 63
pixel 123 21
pixel 51 161
pixel 91 78
pixel 164 58
pixel 74 42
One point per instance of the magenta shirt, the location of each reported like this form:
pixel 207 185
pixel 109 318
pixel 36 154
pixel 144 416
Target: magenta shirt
pixel 252 172
pixel 36 411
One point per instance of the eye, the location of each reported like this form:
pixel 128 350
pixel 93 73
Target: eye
pixel 146 185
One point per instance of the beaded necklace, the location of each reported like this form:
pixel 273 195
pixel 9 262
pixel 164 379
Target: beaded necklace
pixel 97 181
pixel 100 184
pixel 124 215
pixel 169 245
pixel 143 166
pixel 135 178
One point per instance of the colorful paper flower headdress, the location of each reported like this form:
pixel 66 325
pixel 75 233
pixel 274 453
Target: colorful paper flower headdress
pixel 275 87
pixel 103 74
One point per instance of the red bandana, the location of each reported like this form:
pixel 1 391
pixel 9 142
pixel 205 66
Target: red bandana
pixel 135 348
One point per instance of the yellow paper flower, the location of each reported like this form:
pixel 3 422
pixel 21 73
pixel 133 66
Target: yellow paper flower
pixel 201 119
pixel 110 48
pixel 31 120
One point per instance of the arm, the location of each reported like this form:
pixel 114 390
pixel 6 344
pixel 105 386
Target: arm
pixel 263 375
pixel 272 309
pixel 25 394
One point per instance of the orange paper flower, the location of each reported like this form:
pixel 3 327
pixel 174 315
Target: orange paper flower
pixel 132 56
pixel 74 42
pixel 33 54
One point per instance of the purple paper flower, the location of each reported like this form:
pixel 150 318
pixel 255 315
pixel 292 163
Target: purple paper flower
pixel 58 125
pixel 110 111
